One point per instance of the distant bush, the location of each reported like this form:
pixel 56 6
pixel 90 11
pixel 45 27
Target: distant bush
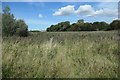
pixel 34 31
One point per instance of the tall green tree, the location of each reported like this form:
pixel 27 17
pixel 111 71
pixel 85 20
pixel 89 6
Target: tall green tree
pixel 74 27
pixel 11 26
pixel 115 25
pixel 87 27
pixel 81 21
pixel 100 26
pixel 8 21
pixel 62 26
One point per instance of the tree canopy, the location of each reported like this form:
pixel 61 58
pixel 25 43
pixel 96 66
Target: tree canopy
pixel 11 26
pixel 80 25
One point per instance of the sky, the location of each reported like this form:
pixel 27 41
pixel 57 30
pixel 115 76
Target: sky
pixel 40 15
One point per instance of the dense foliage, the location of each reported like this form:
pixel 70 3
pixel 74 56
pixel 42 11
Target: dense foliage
pixel 22 28
pixel 11 26
pixel 85 26
pixel 115 25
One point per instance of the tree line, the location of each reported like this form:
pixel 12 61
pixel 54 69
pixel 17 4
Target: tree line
pixel 80 25
pixel 11 26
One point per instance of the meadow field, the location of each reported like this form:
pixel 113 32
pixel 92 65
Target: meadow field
pixel 61 55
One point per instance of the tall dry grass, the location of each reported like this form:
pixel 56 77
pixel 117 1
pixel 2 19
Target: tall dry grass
pixel 61 55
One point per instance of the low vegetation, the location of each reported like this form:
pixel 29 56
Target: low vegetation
pixel 61 55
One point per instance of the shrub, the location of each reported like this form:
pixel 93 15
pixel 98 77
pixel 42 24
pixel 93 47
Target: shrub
pixel 22 28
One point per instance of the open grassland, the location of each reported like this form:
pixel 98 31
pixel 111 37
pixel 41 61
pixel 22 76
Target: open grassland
pixel 61 55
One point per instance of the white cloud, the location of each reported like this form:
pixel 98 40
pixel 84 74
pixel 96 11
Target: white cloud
pixel 64 11
pixel 88 10
pixel 116 19
pixel 85 10
pixel 105 12
pixel 40 16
